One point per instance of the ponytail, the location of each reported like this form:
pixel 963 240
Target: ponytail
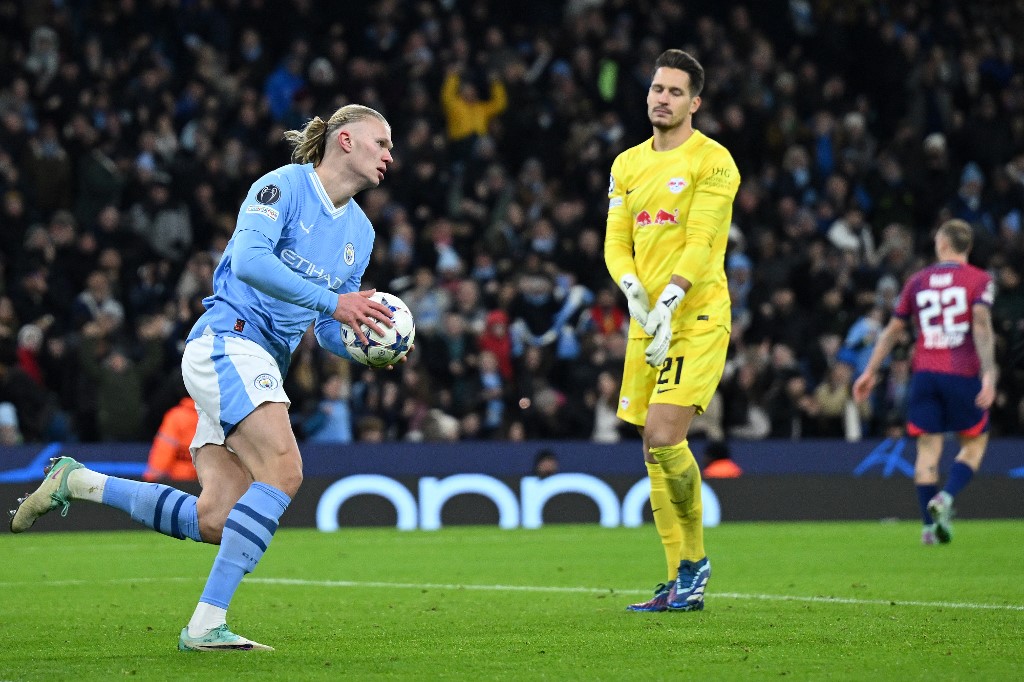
pixel 309 142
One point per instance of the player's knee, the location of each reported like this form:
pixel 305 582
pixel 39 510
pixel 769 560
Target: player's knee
pixel 291 480
pixel 971 454
pixel 287 474
pixel 661 436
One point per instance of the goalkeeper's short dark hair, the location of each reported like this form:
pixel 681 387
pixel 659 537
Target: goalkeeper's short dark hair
pixel 684 61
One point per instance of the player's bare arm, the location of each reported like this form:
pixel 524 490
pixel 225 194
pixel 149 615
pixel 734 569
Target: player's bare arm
pixel 984 342
pixel 886 342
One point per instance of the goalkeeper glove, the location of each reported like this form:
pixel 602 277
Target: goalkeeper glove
pixel 636 298
pixel 659 324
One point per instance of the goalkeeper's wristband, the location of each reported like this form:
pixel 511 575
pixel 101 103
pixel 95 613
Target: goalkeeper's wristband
pixel 671 296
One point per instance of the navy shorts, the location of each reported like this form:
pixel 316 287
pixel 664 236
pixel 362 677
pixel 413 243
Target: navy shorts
pixel 940 403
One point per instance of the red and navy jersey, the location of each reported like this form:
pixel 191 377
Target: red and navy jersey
pixel 940 301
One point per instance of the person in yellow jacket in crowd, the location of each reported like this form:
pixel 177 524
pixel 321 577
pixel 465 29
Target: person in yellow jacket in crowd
pixel 467 115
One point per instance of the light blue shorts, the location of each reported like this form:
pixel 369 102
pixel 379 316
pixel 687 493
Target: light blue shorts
pixel 228 377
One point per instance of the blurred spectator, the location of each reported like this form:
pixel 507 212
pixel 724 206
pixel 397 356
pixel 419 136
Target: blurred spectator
pixel 492 394
pixel 164 225
pixel 605 316
pixel 860 340
pixel 34 406
pixel 545 463
pixel 718 463
pixel 791 408
pixel 440 427
pixel 426 301
pixel 495 340
pixel 745 414
pixel 332 421
pixel 835 402
pixel 710 422
pixel 96 302
pixel 605 403
pixel 120 380
pixel 283 84
pixel 10 434
pixel 169 455
pixel 30 342
pixel 467 114
pixel 370 429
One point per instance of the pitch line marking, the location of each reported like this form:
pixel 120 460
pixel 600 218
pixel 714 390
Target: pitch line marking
pixel 539 589
pixel 595 590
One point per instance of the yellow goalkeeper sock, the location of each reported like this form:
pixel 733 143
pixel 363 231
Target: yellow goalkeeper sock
pixel 682 478
pixel 665 519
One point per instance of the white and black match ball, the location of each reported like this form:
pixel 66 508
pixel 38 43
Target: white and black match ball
pixel 387 348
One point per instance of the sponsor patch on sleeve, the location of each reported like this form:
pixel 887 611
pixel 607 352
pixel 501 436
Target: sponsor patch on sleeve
pixel 271 213
pixel 616 201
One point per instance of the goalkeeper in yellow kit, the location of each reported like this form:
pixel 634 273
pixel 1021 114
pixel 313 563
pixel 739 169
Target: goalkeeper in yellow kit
pixel 669 211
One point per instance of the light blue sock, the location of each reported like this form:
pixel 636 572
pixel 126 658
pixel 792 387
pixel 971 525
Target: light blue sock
pixel 160 507
pixel 250 527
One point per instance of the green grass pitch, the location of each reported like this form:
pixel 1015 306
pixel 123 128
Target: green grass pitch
pixel 804 601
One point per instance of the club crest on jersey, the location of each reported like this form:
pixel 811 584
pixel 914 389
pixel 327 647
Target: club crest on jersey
pixel 676 185
pixel 265 382
pixel 350 253
pixel 268 195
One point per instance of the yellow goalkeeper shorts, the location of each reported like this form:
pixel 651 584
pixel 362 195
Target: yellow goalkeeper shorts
pixel 689 376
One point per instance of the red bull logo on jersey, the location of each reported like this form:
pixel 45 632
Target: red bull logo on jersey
pixel 662 217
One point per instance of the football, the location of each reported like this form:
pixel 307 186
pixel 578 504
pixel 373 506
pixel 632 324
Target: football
pixel 383 349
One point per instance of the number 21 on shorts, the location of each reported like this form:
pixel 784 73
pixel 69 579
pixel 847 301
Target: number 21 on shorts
pixel 670 374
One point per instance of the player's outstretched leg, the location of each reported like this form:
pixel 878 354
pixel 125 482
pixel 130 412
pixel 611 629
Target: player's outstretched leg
pixel 52 493
pixel 941 509
pixel 218 639
pixel 157 506
pixel 688 590
pixel 657 603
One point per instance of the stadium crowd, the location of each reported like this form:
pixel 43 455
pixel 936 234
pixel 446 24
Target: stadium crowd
pixel 130 131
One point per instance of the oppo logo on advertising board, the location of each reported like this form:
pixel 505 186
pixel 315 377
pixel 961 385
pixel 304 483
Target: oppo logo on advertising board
pixel 523 511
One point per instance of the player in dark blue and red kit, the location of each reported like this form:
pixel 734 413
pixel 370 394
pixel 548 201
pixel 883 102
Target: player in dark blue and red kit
pixel 954 371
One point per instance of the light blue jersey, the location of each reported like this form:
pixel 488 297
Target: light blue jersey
pixel 292 253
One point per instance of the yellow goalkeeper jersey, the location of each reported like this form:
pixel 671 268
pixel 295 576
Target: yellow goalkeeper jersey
pixel 669 213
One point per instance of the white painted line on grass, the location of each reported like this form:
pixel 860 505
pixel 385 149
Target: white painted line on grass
pixel 302 582
pixel 596 590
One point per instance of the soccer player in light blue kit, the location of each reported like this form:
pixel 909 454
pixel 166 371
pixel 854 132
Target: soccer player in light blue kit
pixel 297 257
